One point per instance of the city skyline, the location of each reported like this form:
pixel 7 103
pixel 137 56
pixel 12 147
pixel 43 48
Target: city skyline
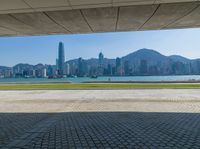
pixel 42 49
pixel 139 63
pixel 98 57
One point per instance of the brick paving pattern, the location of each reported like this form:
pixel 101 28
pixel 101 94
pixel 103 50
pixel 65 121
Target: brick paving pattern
pixel 13 125
pixel 101 119
pixel 104 130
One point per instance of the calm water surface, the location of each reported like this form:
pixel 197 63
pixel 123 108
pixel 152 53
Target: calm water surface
pixel 82 79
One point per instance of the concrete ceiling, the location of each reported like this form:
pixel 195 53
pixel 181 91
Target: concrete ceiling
pixel 42 17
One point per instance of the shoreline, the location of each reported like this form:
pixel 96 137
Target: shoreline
pixel 106 82
pixel 143 82
pixel 106 79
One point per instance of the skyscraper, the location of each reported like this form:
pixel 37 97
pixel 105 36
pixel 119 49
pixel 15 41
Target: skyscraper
pixel 126 68
pixel 118 66
pixel 80 67
pixel 61 59
pixel 101 64
pixel 118 62
pixel 101 58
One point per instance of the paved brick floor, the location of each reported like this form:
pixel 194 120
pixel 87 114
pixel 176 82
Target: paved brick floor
pixel 158 119
pixel 13 125
pixel 140 130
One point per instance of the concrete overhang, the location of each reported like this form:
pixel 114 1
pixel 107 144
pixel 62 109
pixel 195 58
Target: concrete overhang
pixel 44 17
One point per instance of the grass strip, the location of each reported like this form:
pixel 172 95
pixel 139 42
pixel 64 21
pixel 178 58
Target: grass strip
pixel 65 86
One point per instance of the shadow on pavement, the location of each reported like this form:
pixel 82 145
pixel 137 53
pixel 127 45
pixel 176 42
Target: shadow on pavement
pixel 100 130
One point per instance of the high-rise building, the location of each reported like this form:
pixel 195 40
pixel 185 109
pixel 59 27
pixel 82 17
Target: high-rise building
pixel 101 64
pixel 118 62
pixel 126 68
pixel 73 68
pixel 50 71
pixel 109 69
pixel 61 59
pixel 33 73
pixel 80 67
pixel 101 57
pixel 118 67
pixel 67 69
pixel 44 73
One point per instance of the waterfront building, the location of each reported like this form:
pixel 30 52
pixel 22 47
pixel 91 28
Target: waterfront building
pixel 73 67
pixel 54 71
pixel 101 64
pixel 44 73
pixel 93 71
pixel 80 67
pixel 8 73
pixel 118 62
pixel 50 71
pixel 109 70
pixel 25 73
pixel 101 58
pixel 61 59
pixel 118 67
pixel 67 69
pixel 126 68
pixel 33 73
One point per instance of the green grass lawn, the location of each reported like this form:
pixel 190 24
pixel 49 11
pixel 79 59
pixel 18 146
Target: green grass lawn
pixel 65 86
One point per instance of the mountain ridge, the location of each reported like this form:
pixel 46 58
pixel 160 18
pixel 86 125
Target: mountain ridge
pixel 141 53
pixel 141 62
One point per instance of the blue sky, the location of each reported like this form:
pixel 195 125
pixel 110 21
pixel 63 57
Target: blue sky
pixel 43 49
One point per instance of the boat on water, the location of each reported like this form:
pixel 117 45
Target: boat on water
pixel 94 76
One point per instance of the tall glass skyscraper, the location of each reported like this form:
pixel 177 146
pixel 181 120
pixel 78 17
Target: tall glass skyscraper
pixel 101 58
pixel 61 59
pixel 101 63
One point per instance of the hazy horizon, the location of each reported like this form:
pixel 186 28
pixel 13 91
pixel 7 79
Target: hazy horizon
pixel 44 49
